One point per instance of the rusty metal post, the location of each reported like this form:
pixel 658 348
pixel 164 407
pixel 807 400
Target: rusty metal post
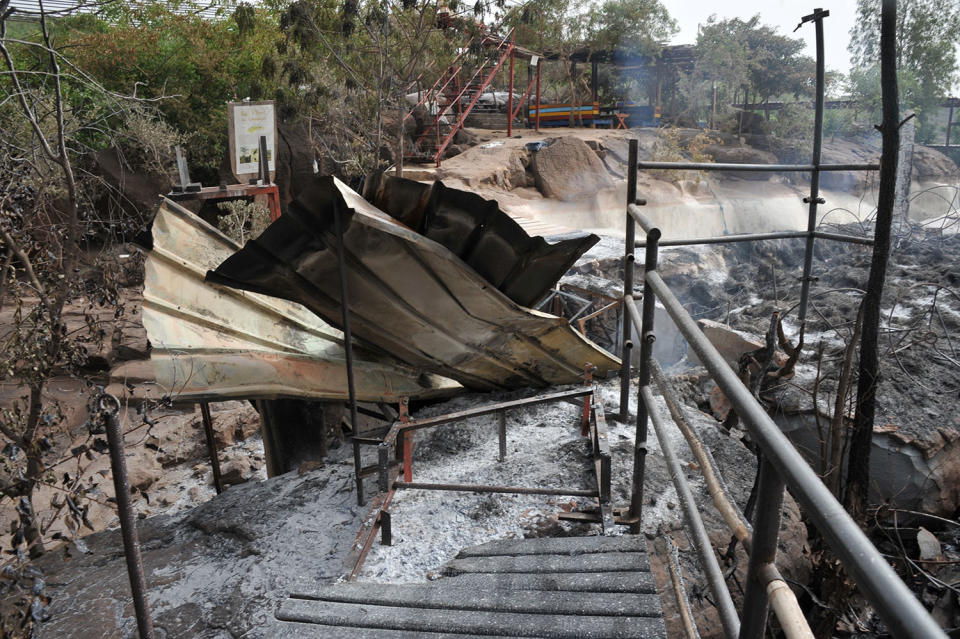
pixel 408 456
pixel 405 441
pixel 513 41
pixel 211 446
pixel 628 260
pixel 647 338
pixel 502 432
pixel 763 551
pixel 814 199
pixel 386 528
pixel 348 344
pixel 537 125
pixel 128 526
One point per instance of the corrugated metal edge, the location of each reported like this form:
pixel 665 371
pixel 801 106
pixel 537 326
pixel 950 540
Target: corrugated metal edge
pixel 399 282
pixel 211 342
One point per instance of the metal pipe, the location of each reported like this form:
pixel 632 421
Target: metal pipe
pixel 646 351
pixel 721 500
pixel 502 433
pixel 752 237
pixel 513 40
pixel 784 603
pixel 701 541
pixel 894 602
pixel 537 126
pixel 730 239
pixel 766 532
pixel 348 343
pixel 630 306
pixel 479 411
pixel 211 445
pixel 635 213
pixel 817 16
pixel 841 237
pixel 508 490
pixel 628 266
pixel 679 592
pixel 128 526
pixel 773 168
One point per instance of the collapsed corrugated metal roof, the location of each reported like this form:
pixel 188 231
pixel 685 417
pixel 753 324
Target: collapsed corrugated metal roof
pixel 523 268
pixel 211 342
pixel 410 295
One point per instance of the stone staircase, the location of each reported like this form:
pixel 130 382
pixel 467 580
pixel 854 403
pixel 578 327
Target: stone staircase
pixel 554 588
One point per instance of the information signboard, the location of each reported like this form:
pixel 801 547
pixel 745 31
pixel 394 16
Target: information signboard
pixel 247 122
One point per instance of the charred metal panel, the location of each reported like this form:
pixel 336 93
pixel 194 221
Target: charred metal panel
pixel 210 342
pixel 524 268
pixel 409 295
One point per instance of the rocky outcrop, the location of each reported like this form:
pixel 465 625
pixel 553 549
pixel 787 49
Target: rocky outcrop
pixel 514 175
pixel 568 169
pixel 739 154
pixel 930 165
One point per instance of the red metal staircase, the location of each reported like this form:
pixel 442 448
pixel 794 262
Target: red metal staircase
pixel 451 98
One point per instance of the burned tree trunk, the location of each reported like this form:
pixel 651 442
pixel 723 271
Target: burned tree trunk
pixel 858 467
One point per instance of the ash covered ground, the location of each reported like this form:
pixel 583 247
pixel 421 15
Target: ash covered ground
pixel 220 569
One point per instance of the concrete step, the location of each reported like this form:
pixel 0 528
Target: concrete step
pixel 305 630
pixel 499 624
pixel 637 582
pixel 538 564
pixel 442 595
pixel 557 546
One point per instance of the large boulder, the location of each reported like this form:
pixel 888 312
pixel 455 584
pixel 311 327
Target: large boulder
pixel 930 165
pixel 568 169
pixel 737 154
pixel 846 152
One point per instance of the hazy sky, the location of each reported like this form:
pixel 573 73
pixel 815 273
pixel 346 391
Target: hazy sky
pixel 782 14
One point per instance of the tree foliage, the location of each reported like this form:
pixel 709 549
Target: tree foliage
pixel 927 64
pixel 746 59
pixel 154 50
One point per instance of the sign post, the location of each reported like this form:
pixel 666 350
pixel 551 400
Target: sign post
pixel 248 121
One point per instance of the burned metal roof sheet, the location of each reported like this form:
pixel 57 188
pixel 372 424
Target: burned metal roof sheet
pixel 409 295
pixel 522 267
pixel 211 342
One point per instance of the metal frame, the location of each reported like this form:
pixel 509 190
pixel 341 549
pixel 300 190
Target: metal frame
pixel 398 444
pixel 781 466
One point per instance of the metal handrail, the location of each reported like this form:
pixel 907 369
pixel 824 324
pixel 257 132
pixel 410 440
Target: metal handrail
pixel 740 166
pixel 781 466
pixel 894 602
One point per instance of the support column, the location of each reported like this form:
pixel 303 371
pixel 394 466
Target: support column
pixel 763 551
pixel 595 80
pixel 537 125
pixel 814 199
pixel 510 95
pixel 626 341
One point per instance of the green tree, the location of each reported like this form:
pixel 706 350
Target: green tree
pixel 927 65
pixel 633 26
pixel 749 62
pixel 190 63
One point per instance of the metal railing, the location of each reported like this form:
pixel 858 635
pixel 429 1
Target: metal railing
pixel 780 465
pixel 394 468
